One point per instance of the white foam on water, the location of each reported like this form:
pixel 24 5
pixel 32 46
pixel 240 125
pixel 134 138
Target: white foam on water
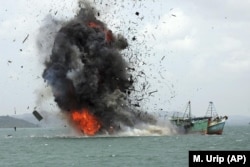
pixel 147 130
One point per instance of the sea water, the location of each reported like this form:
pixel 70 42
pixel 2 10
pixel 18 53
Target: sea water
pixel 56 147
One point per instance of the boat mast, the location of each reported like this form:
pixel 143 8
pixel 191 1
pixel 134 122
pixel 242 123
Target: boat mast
pixel 211 110
pixel 189 104
pixel 189 110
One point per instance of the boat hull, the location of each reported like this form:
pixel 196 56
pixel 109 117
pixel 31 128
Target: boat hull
pixel 193 125
pixel 199 126
pixel 216 127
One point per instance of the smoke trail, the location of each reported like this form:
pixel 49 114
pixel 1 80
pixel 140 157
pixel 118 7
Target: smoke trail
pixel 87 70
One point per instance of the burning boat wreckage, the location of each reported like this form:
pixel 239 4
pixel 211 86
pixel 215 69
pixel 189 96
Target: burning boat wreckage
pixel 90 79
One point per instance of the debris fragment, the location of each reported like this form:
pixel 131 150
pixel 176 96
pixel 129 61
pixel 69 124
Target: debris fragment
pixel 162 58
pixel 26 38
pixel 150 93
pixel 137 13
pixel 37 115
pixel 153 36
pixel 136 105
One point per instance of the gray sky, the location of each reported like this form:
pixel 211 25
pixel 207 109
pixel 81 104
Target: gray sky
pixel 194 50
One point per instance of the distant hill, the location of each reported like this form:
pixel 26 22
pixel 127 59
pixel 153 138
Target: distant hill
pixel 50 119
pixel 10 122
pixel 238 120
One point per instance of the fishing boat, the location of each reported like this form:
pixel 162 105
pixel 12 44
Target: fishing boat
pixel 188 123
pixel 216 123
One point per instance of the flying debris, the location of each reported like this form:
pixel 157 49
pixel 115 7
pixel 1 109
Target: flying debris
pixel 150 93
pixel 162 58
pixel 26 38
pixel 37 115
pixel 89 76
pixel 153 36
pixel 9 62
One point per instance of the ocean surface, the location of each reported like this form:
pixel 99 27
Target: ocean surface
pixel 55 147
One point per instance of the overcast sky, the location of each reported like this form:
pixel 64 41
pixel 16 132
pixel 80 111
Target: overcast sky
pixel 193 50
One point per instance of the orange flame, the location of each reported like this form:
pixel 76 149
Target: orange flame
pixel 86 122
pixel 108 33
pixel 95 25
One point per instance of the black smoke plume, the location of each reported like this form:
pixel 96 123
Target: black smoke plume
pixel 87 70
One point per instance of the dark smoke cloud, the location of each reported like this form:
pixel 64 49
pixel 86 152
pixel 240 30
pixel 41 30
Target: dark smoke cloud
pixel 87 70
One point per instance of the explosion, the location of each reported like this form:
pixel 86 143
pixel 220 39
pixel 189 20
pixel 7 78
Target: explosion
pixel 86 122
pixel 90 79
